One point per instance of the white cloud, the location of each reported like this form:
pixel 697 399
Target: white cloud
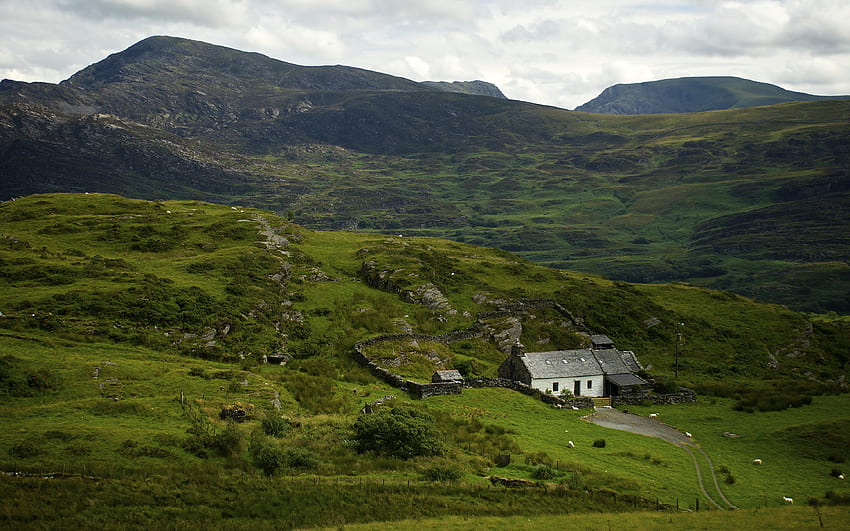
pixel 557 52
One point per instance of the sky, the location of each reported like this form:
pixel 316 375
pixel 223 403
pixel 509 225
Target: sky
pixel 553 52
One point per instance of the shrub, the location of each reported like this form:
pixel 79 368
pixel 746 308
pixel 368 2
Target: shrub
pixel 599 443
pixel 275 426
pixel 302 458
pixel 268 457
pixel 442 472
pixel 401 431
pixel 544 472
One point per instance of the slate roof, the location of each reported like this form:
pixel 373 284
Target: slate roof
pixel 581 362
pixel 561 363
pixel 631 361
pixel 446 376
pixel 625 380
pixel 601 341
pixel 611 362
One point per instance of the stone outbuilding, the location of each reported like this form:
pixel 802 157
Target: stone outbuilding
pixel 446 376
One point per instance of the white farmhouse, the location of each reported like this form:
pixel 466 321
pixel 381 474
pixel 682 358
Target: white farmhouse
pixel 601 370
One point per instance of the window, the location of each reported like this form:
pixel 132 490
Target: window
pixel 554 387
pixel 590 384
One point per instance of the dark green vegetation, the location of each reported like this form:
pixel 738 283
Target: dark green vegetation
pixel 692 94
pixel 132 338
pixel 752 201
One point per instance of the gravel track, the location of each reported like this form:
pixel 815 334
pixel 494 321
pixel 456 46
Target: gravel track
pixel 652 427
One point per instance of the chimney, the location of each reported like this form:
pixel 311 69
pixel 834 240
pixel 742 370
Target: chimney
pixel 518 349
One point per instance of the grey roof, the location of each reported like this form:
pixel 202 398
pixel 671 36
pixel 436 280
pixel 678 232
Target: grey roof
pixel 631 361
pixel 578 363
pixel 561 363
pixel 625 380
pixel 600 339
pixel 611 361
pixel 446 376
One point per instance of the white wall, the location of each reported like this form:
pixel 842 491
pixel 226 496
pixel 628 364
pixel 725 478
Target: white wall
pixel 596 388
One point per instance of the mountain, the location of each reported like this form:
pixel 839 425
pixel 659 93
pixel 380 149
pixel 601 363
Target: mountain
pixel 481 88
pixel 691 94
pixel 722 200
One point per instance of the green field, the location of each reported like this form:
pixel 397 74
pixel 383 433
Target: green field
pixel 129 327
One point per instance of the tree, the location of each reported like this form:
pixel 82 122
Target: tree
pixel 401 431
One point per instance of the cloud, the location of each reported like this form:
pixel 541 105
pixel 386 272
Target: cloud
pixel 214 13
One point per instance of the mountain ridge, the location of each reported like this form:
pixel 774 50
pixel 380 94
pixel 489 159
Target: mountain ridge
pixel 692 94
pixel 634 198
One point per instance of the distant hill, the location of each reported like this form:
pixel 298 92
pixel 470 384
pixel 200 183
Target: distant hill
pixel 720 199
pixel 480 88
pixel 692 94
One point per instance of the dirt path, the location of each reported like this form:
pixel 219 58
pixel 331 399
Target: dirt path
pixel 652 427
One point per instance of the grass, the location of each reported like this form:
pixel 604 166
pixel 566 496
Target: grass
pixel 91 389
pixel 781 518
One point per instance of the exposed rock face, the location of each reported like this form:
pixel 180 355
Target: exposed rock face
pixel 428 295
pixel 505 332
pixel 477 87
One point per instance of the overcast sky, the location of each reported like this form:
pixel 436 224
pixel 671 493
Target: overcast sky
pixel 554 52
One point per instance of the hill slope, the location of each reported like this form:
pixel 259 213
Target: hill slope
pixel 629 197
pixel 691 94
pixel 131 331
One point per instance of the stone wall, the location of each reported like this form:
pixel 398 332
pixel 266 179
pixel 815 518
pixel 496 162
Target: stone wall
pixel 684 396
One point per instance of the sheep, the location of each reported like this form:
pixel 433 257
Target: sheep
pixel 787 499
pixel 688 434
pixel 653 415
pixel 840 476
pixel 571 444
pixel 756 461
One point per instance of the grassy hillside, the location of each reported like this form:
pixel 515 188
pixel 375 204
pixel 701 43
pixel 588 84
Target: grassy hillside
pixel 747 200
pixel 131 331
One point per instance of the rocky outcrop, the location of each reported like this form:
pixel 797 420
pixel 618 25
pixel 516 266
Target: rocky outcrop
pixel 477 87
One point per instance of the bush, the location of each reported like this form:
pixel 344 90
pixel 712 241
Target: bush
pixel 302 458
pixel 268 457
pixel 442 472
pixel 544 472
pixel 275 426
pixel 599 443
pixel 401 431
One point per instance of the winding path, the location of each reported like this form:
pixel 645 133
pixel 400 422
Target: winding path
pixel 618 420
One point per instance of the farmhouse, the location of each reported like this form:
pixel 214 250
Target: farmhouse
pixel 600 370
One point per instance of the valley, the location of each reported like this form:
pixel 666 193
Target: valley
pixel 200 248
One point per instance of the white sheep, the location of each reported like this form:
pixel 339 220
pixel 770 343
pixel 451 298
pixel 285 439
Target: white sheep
pixel 787 499
pixel 840 476
pixel 756 461
pixel 653 415
pixel 688 434
pixel 571 444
